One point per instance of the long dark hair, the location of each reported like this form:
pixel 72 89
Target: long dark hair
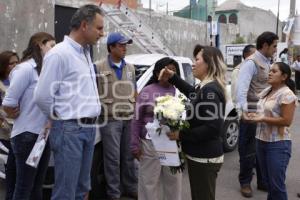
pixel 159 65
pixel 5 57
pixel 33 49
pixel 285 50
pixel 285 69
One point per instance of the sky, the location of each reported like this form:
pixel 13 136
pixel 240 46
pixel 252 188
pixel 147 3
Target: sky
pixel 174 5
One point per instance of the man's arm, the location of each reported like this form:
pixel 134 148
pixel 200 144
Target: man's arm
pixel 48 84
pixel 247 71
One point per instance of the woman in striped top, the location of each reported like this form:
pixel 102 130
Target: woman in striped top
pixel 275 114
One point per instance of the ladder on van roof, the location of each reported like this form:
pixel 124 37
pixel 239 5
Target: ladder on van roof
pixel 133 27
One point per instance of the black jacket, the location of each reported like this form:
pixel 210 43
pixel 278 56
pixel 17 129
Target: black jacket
pixel 205 114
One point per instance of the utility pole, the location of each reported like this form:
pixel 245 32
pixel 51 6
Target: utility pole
pixel 150 5
pixel 206 11
pixel 191 9
pixel 211 24
pixel 277 21
pixel 292 8
pixel 167 11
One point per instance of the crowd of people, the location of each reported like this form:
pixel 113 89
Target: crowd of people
pixel 58 87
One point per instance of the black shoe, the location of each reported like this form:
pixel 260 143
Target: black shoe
pixel 262 187
pixel 132 195
pixel 298 195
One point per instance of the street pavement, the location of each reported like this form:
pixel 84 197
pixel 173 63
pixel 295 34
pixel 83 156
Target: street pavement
pixel 227 183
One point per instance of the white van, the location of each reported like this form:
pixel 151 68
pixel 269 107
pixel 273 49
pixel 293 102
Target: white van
pixel 144 65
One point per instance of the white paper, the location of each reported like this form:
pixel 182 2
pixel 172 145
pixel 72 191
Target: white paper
pixel 38 149
pixel 166 149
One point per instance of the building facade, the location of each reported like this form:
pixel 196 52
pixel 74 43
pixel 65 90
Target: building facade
pixel 250 21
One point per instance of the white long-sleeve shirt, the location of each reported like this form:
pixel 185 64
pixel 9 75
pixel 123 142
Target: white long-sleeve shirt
pixel 67 84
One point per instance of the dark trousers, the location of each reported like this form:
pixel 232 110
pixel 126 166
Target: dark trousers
pixel 297 79
pixel 29 180
pixel 203 178
pixel 10 171
pixel 247 153
pixel 274 158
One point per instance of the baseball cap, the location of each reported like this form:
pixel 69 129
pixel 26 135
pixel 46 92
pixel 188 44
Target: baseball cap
pixel 117 37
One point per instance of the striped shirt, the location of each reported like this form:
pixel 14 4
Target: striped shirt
pixel 271 107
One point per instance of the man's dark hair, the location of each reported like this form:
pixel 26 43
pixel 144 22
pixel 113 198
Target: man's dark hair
pixel 247 49
pixel 85 13
pixel 265 37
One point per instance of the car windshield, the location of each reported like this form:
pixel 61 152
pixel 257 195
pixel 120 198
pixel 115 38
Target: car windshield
pixel 140 70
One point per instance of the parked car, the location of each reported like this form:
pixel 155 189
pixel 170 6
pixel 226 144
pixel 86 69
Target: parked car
pixel 144 64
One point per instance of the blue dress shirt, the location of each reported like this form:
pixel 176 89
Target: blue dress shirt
pixel 67 85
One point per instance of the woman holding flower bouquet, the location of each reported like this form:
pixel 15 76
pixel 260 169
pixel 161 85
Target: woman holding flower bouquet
pixel 202 142
pixel 151 173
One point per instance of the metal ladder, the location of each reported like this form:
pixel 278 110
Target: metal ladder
pixel 133 27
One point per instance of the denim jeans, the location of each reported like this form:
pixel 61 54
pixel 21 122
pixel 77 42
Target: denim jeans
pixel 247 153
pixel 274 158
pixel 72 146
pixel 119 166
pixel 29 180
pixel 10 171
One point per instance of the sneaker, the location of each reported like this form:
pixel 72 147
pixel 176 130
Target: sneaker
pixel 246 191
pixel 298 195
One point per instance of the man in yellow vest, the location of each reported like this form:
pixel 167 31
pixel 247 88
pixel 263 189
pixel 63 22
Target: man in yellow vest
pixel 117 88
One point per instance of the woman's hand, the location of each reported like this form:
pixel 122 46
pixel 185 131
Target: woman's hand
pixel 48 125
pixel 12 112
pixel 165 74
pixel 255 117
pixel 173 135
pixel 137 154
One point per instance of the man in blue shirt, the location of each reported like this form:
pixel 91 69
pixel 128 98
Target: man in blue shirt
pixel 252 79
pixel 67 93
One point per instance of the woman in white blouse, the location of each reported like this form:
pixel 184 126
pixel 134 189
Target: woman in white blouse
pixel 276 112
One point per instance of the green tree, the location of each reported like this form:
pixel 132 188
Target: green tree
pixel 239 40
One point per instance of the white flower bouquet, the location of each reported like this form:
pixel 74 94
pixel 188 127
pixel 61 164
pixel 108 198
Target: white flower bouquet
pixel 170 111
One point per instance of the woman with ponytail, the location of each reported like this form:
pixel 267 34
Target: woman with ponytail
pixel 273 138
pixel 29 120
pixel 151 173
